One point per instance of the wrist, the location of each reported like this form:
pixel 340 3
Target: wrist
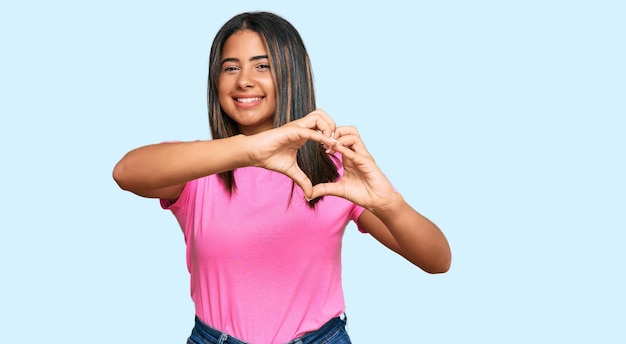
pixel 388 205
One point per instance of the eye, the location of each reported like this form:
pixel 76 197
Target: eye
pixel 263 66
pixel 230 69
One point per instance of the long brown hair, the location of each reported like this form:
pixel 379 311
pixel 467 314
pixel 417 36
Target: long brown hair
pixel 293 79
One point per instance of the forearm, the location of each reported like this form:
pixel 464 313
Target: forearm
pixel 163 165
pixel 418 239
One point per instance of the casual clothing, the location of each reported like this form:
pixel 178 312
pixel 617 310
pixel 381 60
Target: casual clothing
pixel 333 332
pixel 264 266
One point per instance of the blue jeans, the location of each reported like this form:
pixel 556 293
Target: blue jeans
pixel 333 332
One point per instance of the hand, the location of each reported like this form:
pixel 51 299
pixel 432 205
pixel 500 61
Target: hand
pixel 363 182
pixel 317 119
pixel 276 149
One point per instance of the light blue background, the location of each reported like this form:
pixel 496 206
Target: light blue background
pixel 502 121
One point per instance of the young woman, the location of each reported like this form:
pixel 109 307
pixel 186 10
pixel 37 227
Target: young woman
pixel 263 205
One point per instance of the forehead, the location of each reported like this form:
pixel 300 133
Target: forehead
pixel 243 43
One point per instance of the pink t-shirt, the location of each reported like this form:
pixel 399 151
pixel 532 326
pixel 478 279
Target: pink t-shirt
pixel 262 268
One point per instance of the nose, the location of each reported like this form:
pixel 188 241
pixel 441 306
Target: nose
pixel 245 79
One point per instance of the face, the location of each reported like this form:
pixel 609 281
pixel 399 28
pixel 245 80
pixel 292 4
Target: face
pixel 246 88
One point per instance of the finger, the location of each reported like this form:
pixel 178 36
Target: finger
pixel 320 137
pixel 348 141
pixel 300 135
pixel 316 119
pixel 302 180
pixel 349 137
pixel 346 152
pixel 328 189
pixel 345 130
pixel 338 133
pixel 323 122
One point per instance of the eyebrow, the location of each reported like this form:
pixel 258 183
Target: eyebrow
pixel 253 58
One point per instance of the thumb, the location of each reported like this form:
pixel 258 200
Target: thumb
pixel 302 180
pixel 327 189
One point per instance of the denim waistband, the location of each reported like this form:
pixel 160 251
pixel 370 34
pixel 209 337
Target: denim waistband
pixel 205 334
pixel 324 333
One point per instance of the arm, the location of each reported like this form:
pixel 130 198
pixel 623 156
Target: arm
pixel 162 170
pixel 406 232
pixel 388 217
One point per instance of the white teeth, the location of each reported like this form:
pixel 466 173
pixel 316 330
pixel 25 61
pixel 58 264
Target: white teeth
pixel 248 100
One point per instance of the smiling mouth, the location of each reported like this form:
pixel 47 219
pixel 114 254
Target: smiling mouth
pixel 248 100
